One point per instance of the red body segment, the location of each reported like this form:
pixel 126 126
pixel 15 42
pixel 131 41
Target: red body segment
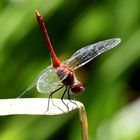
pixel 55 61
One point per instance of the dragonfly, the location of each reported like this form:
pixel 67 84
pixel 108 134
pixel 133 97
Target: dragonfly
pixel 62 74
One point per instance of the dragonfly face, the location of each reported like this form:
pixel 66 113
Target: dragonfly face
pixel 77 88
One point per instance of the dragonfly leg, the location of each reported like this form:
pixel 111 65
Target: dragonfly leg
pixel 63 97
pixel 69 97
pixel 50 96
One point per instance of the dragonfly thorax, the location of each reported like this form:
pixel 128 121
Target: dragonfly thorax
pixel 64 70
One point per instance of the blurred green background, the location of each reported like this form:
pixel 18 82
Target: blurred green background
pixel 112 81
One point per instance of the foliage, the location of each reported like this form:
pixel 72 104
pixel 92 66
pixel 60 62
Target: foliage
pixel 110 81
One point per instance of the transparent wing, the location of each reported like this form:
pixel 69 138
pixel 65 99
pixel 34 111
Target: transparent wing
pixel 86 54
pixel 49 80
pixel 29 88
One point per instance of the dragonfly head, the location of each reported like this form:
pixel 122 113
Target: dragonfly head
pixel 77 88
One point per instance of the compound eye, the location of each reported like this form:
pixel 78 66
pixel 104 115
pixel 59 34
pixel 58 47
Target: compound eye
pixel 77 88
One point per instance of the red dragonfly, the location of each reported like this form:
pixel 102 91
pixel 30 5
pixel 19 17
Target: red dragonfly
pixel 60 75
